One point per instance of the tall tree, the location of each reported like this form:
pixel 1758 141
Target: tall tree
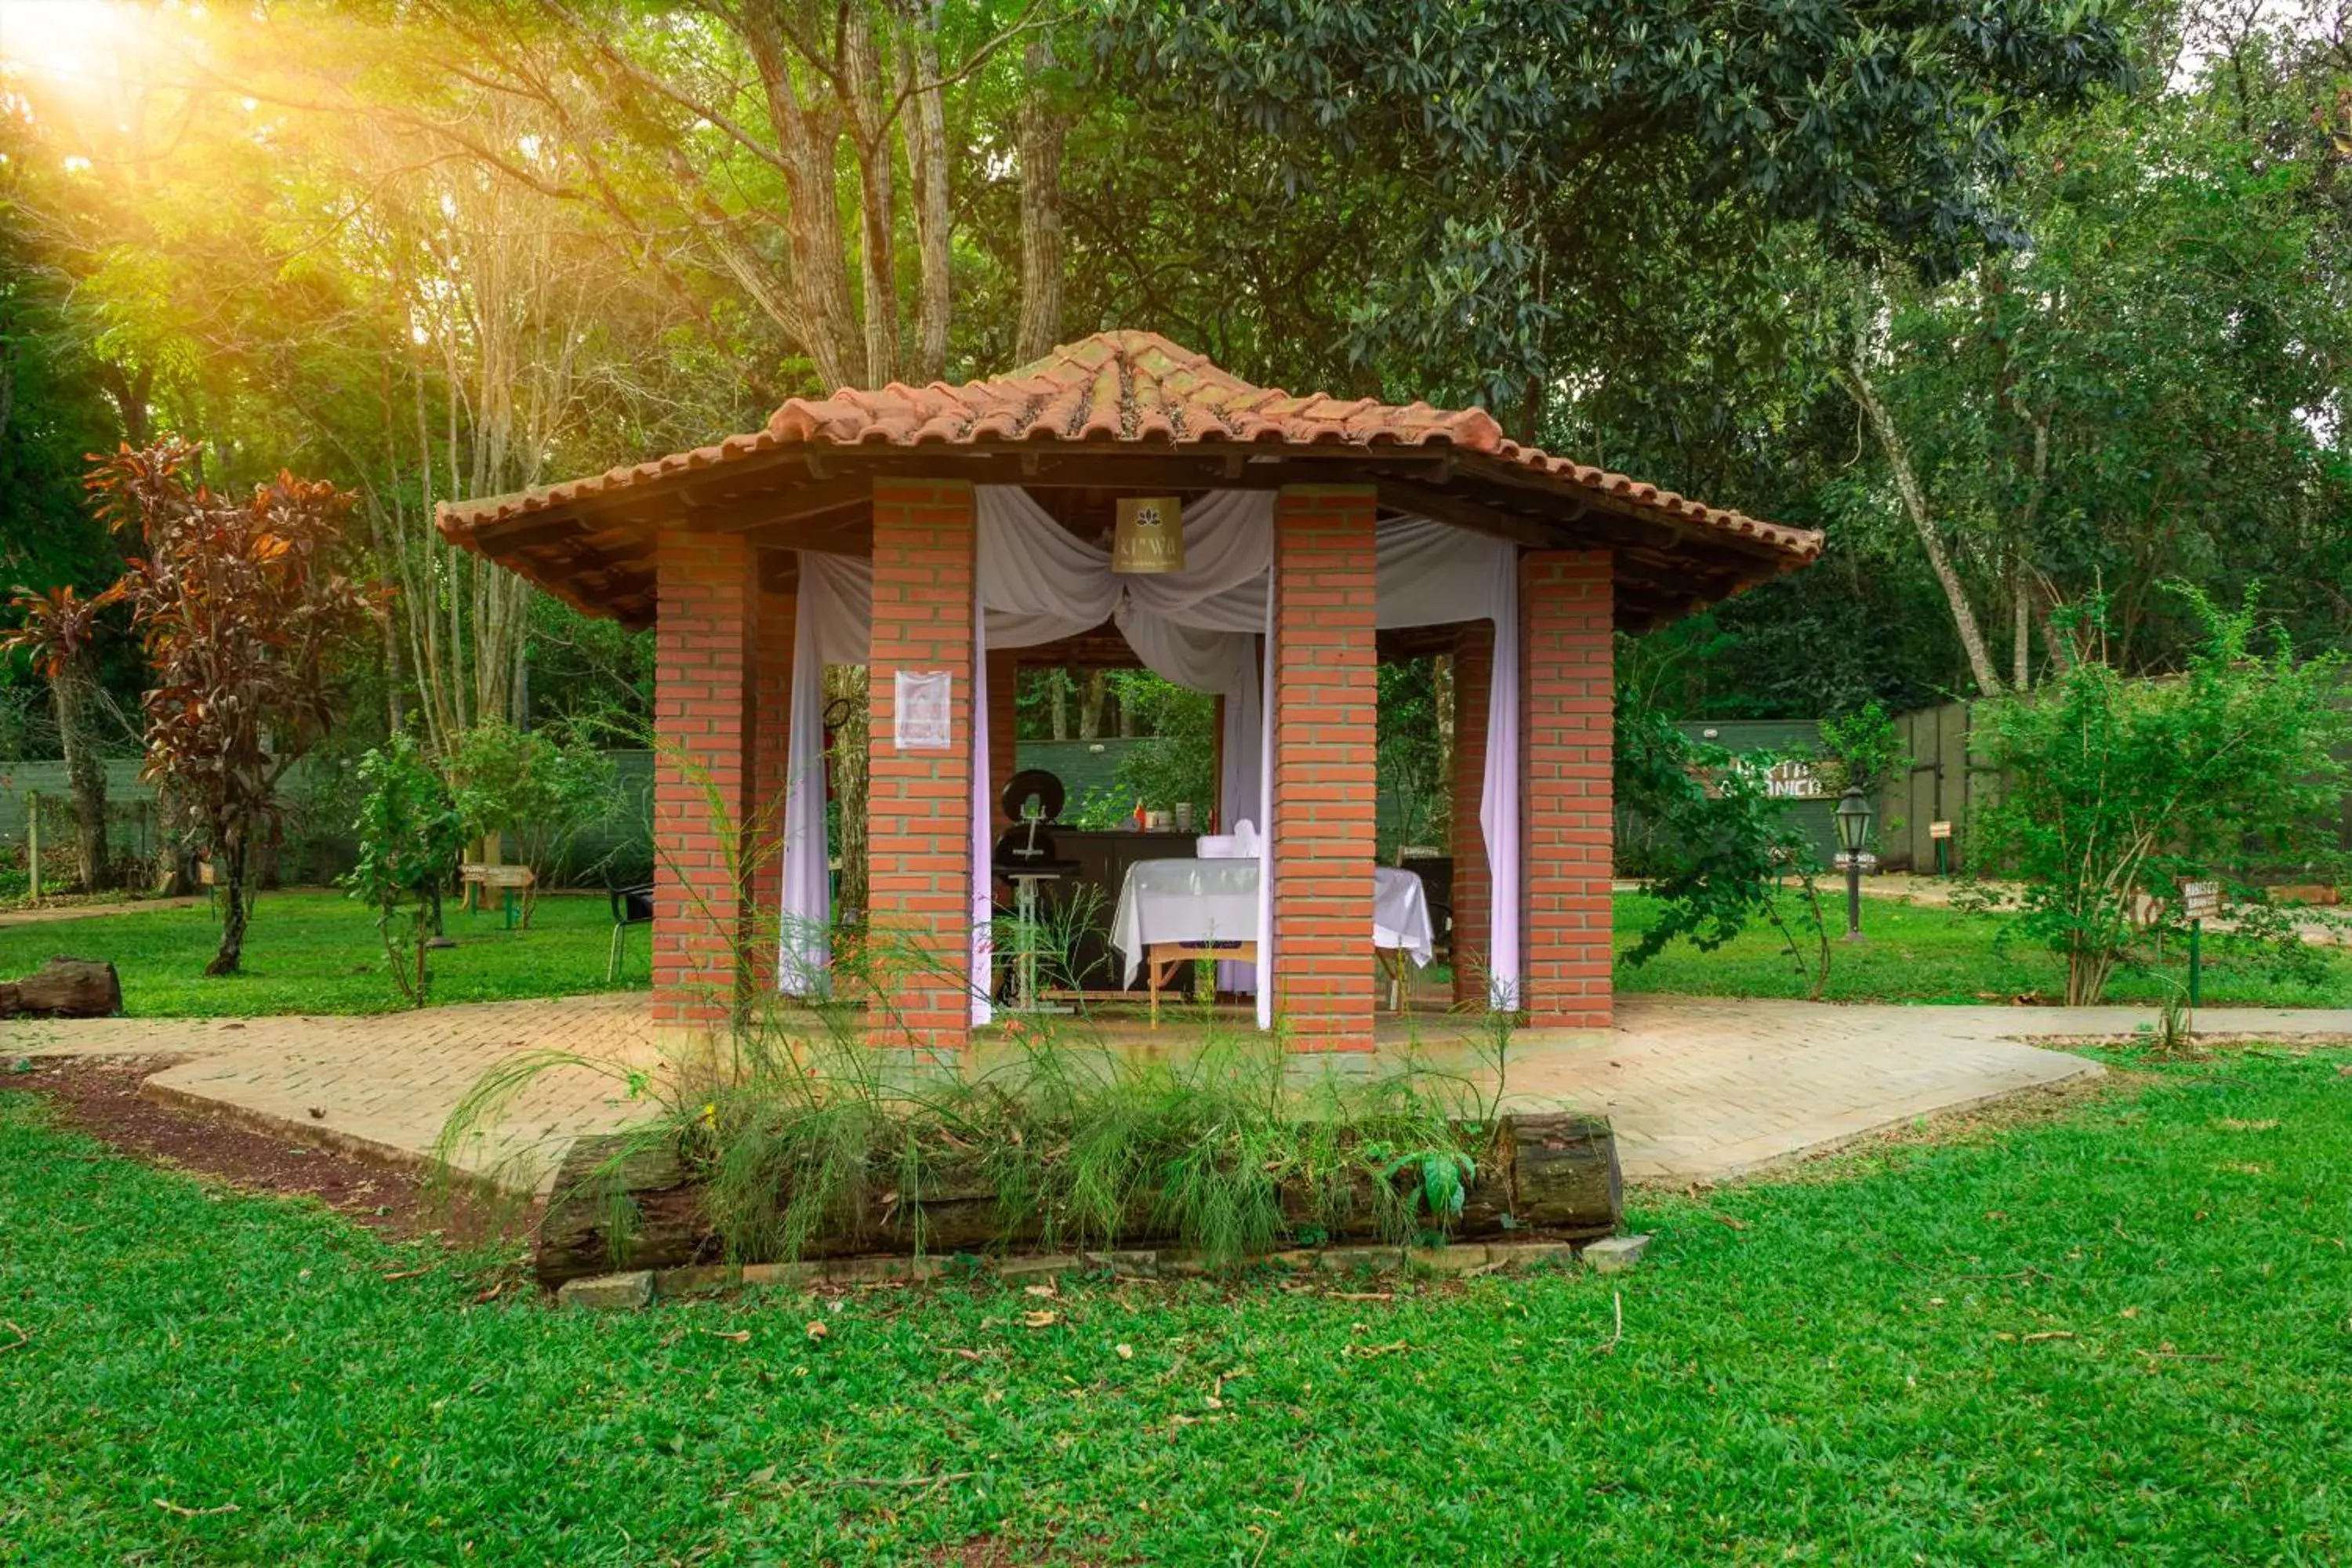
pixel 243 614
pixel 1522 148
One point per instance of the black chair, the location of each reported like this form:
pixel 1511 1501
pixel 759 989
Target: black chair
pixel 632 906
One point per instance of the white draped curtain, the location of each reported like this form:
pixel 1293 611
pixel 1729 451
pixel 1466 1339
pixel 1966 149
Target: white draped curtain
pixel 1037 583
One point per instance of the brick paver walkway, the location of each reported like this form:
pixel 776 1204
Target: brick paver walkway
pixel 1698 1090
pixel 385 1085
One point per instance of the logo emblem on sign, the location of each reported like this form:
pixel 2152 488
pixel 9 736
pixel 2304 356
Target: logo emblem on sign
pixel 1150 536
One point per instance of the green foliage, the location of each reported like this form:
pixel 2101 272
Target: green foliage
pixel 1180 762
pixel 1852 1305
pixel 804 1133
pixel 2115 790
pixel 2086 412
pixel 53 410
pixel 1503 140
pixel 1411 755
pixel 1713 844
pixel 594 676
pixel 1645 234
pixel 803 1138
pixel 537 787
pixel 1861 750
pixel 410 835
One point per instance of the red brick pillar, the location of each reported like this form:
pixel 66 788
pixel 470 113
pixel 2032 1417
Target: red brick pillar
pixel 1004 693
pixel 772 701
pixel 919 814
pixel 1323 784
pixel 706 725
pixel 1569 693
pixel 1474 674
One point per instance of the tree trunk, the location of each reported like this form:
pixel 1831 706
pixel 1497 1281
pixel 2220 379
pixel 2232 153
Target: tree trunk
pixel 861 75
pixel 175 859
pixel 1090 706
pixel 64 988
pixel 1915 502
pixel 2020 674
pixel 1041 131
pixel 75 693
pixel 2020 575
pixel 231 867
pixel 927 170
pixel 1555 1173
pixel 2062 652
pixel 806 139
pixel 1058 702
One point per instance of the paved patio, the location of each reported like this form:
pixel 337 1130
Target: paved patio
pixel 1699 1090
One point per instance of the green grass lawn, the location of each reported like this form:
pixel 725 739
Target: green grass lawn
pixel 317 953
pixel 2122 1336
pixel 1927 952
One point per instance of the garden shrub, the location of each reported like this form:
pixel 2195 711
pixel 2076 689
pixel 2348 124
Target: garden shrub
pixel 1860 750
pixel 1717 846
pixel 410 835
pixel 2116 790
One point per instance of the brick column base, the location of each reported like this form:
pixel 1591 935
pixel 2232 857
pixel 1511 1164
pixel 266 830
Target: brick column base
pixel 1324 771
pixel 1565 621
pixel 706 724
pixel 918 837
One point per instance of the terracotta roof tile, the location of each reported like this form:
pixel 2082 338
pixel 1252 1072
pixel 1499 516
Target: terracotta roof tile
pixel 1126 387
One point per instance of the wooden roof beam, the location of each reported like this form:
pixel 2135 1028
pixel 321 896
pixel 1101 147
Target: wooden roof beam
pixel 1426 500
pixel 742 512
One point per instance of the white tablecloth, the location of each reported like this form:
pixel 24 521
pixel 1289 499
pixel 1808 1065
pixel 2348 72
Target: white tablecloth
pixel 1216 901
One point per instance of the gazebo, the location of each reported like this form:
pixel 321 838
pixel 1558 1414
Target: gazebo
pixel 944 535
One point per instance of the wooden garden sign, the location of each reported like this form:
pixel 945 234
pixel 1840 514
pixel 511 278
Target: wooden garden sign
pixel 2200 900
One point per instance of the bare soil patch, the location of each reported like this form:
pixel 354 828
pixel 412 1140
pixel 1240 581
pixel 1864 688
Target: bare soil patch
pixel 102 1100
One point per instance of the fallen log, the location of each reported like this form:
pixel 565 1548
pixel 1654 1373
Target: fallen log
pixel 618 1204
pixel 64 988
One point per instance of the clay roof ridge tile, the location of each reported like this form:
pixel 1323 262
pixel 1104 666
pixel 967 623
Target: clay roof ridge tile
pixel 1129 417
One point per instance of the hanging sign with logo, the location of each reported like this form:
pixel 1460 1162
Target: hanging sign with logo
pixel 1150 537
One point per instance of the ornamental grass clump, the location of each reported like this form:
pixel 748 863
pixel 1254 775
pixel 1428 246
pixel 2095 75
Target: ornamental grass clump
pixel 804 1139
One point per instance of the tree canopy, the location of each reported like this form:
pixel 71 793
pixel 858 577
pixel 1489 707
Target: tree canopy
pixel 2020 302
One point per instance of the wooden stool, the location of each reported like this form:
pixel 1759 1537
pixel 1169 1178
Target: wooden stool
pixel 1160 957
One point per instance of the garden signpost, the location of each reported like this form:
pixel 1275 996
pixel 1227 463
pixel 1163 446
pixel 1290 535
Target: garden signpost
pixel 2200 901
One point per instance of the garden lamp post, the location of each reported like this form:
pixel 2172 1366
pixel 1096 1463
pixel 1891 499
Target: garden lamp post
pixel 1853 832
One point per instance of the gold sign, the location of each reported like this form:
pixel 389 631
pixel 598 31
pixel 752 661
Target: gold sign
pixel 1150 535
